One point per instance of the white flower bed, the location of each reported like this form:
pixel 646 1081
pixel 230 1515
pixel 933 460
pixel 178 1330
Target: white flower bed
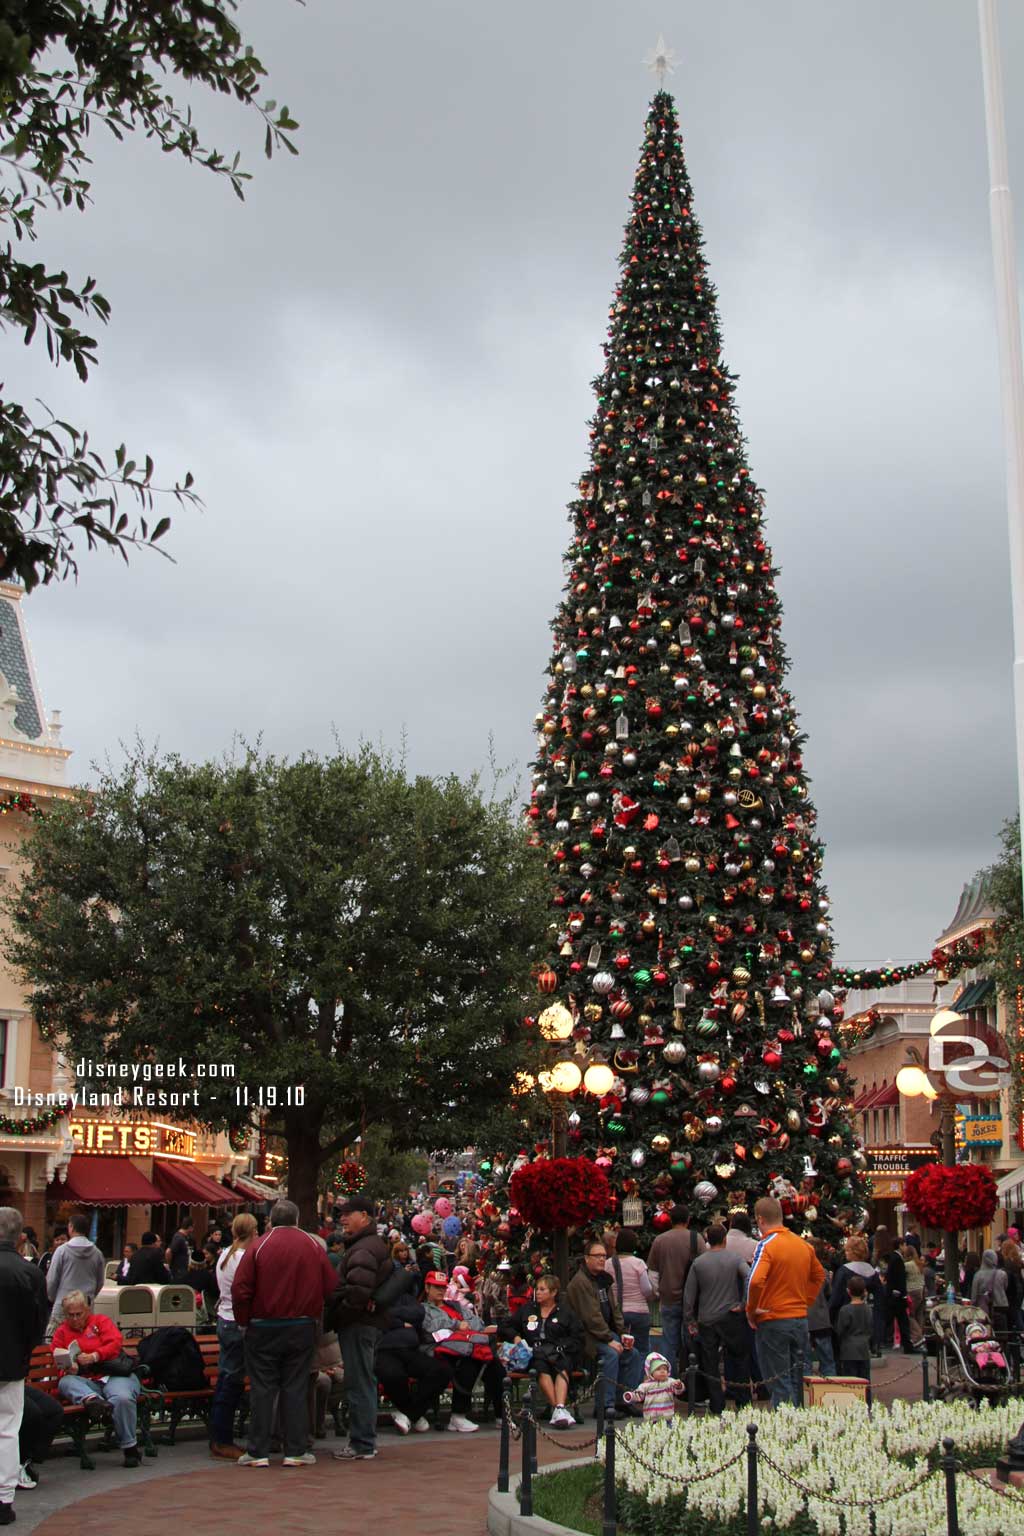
pixel 841 1451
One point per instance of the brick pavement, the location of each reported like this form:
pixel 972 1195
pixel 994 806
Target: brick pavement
pixel 434 1484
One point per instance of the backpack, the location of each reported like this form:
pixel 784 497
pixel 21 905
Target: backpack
pixel 173 1360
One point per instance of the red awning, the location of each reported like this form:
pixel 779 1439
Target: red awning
pixel 880 1098
pixel 105 1181
pixel 181 1184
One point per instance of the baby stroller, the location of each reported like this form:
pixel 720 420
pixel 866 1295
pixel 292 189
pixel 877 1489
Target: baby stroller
pixel 970 1361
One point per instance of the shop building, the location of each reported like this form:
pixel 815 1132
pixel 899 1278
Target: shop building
pixel 894 1024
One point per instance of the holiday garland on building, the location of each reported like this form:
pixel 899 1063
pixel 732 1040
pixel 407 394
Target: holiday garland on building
pixel 690 935
pixel 15 1125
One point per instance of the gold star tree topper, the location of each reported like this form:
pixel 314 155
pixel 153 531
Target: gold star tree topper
pixel 661 61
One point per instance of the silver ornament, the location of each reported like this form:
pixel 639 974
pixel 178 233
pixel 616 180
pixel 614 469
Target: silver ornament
pixel 705 1191
pixel 674 1052
pixel 638 1157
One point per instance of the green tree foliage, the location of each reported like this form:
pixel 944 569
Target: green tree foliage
pixel 1004 889
pixel 67 67
pixel 390 1171
pixel 326 922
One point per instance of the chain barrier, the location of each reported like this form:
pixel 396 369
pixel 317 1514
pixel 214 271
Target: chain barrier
pixel 1006 1492
pixel 515 1430
pixel 563 1445
pixel 683 1482
pixel 846 1503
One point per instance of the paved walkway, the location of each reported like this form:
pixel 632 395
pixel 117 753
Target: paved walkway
pixel 435 1485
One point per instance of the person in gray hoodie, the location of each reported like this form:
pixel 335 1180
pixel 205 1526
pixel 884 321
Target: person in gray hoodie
pixel 77 1265
pixel 713 1296
pixel 856 1249
pixel 988 1291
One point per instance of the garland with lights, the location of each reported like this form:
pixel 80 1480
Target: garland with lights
pixel 951 960
pixel 11 1125
pixel 23 803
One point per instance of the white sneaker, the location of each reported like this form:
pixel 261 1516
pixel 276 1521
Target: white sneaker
pixel 307 1459
pixel 401 1422
pixel 561 1418
pixel 25 1479
pixel 421 1427
pixel 460 1426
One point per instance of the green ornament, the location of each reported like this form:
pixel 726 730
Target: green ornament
pixel 642 977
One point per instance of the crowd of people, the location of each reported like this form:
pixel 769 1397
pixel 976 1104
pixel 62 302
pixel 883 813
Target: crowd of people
pixel 395 1299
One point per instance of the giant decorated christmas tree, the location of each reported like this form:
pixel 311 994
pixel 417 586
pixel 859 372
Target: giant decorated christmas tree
pixel 690 937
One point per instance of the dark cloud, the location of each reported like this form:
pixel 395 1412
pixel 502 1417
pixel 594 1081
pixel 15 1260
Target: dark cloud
pixel 378 370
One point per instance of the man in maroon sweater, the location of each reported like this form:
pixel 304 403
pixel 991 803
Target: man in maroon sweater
pixel 278 1296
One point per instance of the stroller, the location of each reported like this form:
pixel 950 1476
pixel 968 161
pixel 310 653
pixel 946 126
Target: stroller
pixel 970 1360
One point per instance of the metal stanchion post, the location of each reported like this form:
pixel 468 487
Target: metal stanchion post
pixel 599 1406
pixel 532 1394
pixel 609 1519
pixel 525 1483
pixel 503 1443
pixel 691 1382
pixel 752 1514
pixel 926 1386
pixel 948 1465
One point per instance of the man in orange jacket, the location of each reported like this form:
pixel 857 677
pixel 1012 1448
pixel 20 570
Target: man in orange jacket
pixel 785 1277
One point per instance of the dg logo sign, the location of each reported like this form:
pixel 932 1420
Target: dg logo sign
pixel 975 1064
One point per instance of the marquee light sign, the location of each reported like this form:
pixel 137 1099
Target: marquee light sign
pixel 128 1138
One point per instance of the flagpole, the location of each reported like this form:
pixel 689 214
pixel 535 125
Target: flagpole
pixel 1011 375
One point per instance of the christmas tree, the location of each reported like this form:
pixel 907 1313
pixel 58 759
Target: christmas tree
pixel 690 936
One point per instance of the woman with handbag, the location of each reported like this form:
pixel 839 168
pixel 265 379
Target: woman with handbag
pixel 464 1342
pixel 555 1335
pixel 96 1371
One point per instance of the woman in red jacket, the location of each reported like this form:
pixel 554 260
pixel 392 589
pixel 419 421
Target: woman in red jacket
pixel 91 1338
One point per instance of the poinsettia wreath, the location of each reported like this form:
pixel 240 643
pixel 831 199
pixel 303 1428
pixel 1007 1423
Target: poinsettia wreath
pixel 560 1192
pixel 952 1199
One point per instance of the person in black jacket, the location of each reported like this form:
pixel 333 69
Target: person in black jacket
pixel 147 1267
pixel 24 1312
pixel 555 1334
pixel 412 1378
pixel 365 1265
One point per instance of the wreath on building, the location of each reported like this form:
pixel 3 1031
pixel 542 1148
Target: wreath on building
pixel 349 1178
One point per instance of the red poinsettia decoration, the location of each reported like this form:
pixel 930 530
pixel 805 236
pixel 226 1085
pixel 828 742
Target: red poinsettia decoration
pixel 952 1199
pixel 560 1192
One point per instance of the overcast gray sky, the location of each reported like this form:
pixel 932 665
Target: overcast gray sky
pixel 378 369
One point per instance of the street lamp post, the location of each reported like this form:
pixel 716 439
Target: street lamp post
pixel 913 1082
pixel 561 1077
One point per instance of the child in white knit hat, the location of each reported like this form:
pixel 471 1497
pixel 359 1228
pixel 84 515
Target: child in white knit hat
pixel 658 1390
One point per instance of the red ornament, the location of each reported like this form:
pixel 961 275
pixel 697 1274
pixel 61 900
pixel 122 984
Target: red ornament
pixel 661 1221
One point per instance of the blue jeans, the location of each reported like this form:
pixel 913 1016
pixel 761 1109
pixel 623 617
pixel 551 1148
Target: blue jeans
pixel 821 1345
pixel 671 1328
pixel 358 1342
pixel 782 1348
pixel 120 1391
pixel 609 1362
pixel 632 1372
pixel 230 1382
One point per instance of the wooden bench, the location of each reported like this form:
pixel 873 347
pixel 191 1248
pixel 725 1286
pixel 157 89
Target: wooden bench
pixel 44 1375
pixel 198 1399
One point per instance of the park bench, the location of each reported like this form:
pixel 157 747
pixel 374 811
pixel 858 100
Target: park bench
pixel 44 1375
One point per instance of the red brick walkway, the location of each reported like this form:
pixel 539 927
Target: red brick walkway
pixel 434 1485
